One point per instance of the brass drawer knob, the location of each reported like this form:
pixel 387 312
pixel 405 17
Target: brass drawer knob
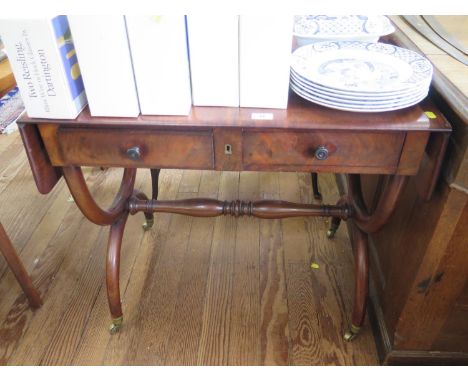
pixel 321 153
pixel 134 153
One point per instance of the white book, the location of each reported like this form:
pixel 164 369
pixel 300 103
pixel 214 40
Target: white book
pixel 103 53
pixel 160 62
pixel 214 59
pixel 42 57
pixel 265 45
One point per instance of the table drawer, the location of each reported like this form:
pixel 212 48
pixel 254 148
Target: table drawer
pixel 338 151
pixel 122 148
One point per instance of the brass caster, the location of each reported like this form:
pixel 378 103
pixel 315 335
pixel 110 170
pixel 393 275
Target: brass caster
pixel 352 333
pixel 331 233
pixel 148 224
pixel 116 325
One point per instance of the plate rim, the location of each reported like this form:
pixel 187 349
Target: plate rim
pixel 375 97
pixel 366 110
pixel 356 102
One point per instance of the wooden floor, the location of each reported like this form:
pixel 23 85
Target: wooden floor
pixel 221 291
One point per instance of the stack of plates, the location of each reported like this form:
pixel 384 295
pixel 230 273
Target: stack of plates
pixel 360 76
pixel 309 29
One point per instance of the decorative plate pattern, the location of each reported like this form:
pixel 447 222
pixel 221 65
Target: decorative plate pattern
pixel 338 27
pixel 362 67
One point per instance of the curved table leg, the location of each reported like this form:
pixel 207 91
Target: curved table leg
pixel 116 216
pixel 315 187
pixel 113 272
pixel 361 283
pixel 113 264
pixel 365 224
pixel 372 223
pixel 13 261
pixel 85 201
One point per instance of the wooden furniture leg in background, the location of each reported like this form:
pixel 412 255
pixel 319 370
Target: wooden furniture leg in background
pixel 315 187
pixel 155 182
pixel 149 216
pixel 335 221
pixel 13 261
pixel 154 195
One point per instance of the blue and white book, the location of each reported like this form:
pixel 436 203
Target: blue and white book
pixel 43 59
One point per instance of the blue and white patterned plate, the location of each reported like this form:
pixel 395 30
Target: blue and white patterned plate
pixel 363 102
pixel 355 66
pixel 353 94
pixel 353 98
pixel 357 108
pixel 341 27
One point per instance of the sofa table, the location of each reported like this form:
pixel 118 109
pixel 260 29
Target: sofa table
pixel 304 137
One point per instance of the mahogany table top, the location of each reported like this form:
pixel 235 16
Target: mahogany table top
pixel 299 115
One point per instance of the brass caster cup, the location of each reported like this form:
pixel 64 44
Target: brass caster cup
pixel 116 325
pixel 351 334
pixel 148 224
pixel 331 233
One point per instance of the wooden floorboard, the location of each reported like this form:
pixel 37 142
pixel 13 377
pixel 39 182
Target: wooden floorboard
pixel 186 325
pixel 221 291
pixel 244 331
pixel 214 342
pixel 274 324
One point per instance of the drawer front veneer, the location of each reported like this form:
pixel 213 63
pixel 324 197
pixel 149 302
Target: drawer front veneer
pixel 325 151
pixel 121 148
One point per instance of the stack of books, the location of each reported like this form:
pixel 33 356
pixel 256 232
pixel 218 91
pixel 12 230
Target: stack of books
pixel 44 62
pixel 154 65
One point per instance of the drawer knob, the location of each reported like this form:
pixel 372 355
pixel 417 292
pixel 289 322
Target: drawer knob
pixel 134 153
pixel 321 153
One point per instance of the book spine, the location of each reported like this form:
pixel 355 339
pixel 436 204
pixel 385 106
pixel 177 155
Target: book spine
pixel 38 70
pixel 214 59
pixel 264 55
pixel 103 52
pixel 161 68
pixel 65 50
